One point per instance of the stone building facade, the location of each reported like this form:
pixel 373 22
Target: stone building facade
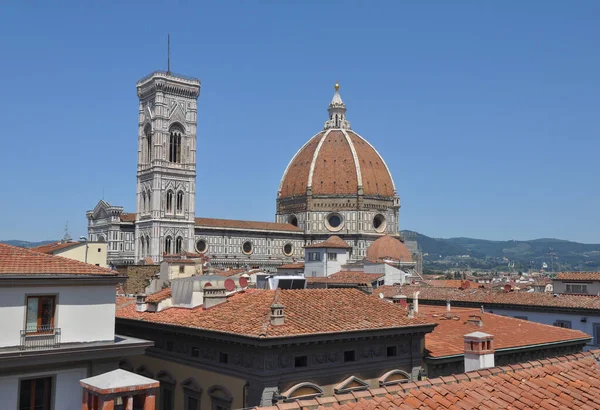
pixel 336 184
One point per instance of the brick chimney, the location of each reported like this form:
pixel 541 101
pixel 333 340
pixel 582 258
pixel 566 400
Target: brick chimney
pixel 479 351
pixel 140 303
pixel 277 315
pixel 213 296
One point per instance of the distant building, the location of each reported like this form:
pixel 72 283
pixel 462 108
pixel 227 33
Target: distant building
pixel 577 283
pixel 58 327
pixel 93 253
pixel 335 184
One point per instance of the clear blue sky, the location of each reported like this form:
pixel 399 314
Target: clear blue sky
pixel 486 112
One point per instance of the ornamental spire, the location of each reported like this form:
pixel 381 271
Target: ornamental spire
pixel 337 111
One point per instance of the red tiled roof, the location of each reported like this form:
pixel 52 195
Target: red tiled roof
pixel 159 296
pixel 231 223
pixel 21 261
pixel 567 382
pixel 333 241
pixel 348 277
pixel 307 312
pixel 447 338
pixel 453 283
pixel 55 246
pixel 298 265
pixel 578 276
pixel 491 296
pixel 127 217
pixel 228 273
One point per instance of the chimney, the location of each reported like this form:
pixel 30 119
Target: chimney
pixel 213 296
pixel 416 301
pixel 479 351
pixel 277 316
pixel 447 306
pixel 140 303
pixel 400 300
pixel 411 311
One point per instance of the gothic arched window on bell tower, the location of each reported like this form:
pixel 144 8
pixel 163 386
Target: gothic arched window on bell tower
pixel 147 246
pixel 168 241
pixel 179 204
pixel 178 244
pixel 143 204
pixel 148 134
pixel 170 201
pixel 149 199
pixel 175 145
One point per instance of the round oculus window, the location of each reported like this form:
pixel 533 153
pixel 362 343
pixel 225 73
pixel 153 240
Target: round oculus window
pixel 288 249
pixel 379 223
pixel 334 222
pixel 247 247
pixel 201 246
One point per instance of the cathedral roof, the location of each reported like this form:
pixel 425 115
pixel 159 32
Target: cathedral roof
pixel 237 224
pixel 333 241
pixel 337 161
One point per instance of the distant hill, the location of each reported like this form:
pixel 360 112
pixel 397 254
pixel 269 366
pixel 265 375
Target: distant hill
pixel 26 244
pixel 556 253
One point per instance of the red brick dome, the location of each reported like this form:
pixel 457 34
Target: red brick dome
pixel 337 162
pixel 388 247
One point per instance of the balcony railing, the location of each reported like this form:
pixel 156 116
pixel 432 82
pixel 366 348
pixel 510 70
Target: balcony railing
pixel 42 337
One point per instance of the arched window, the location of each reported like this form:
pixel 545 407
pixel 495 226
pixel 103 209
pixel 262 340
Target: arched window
pixel 169 201
pixel 179 205
pixel 178 244
pixel 147 246
pixel 175 145
pixel 168 241
pixel 393 377
pixel 149 199
pixel 142 247
pixel 301 391
pixel 220 397
pixel 143 202
pixel 148 134
pixel 191 394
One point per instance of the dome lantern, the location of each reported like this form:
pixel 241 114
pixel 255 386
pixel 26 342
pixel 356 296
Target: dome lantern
pixel 337 111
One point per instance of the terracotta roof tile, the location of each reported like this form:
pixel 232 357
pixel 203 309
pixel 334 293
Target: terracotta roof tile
pixel 348 277
pixel 333 241
pixel 228 273
pixel 237 224
pixel 21 261
pixel 307 312
pixel 159 296
pixel 388 247
pixel 297 265
pixel 494 297
pixel 127 217
pixel 53 247
pixel 578 276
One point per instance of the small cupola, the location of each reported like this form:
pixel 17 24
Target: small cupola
pixel 277 314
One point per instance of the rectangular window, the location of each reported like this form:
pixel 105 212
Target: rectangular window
pixel 576 288
pixel 392 351
pixel 35 394
pixel 301 361
pixel 181 268
pixel 169 346
pixel 40 314
pixel 167 396
pixel 192 403
pixel 223 358
pixel 314 256
pixel 563 323
pixel 349 356
pixel 331 256
pixel 195 352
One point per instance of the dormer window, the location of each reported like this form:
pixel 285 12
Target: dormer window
pixel 40 314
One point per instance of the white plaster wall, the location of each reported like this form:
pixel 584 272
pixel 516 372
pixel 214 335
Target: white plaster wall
pixel 593 288
pixel 66 390
pixel 478 361
pixel 83 313
pixel 324 267
pixel 549 319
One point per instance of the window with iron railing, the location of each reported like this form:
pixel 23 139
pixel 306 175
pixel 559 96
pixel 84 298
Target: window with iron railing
pixel 40 314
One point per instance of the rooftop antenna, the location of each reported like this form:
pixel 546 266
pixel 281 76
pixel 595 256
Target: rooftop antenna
pixel 169 54
pixel 67 237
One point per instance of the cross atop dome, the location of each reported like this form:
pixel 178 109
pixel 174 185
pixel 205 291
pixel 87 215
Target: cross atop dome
pixel 337 111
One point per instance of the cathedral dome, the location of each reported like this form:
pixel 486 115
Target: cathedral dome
pixel 388 248
pixel 337 161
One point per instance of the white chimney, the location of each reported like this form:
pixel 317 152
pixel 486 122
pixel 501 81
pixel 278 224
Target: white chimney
pixel 447 306
pixel 140 303
pixel 213 296
pixel 411 311
pixel 416 301
pixel 479 351
pixel 277 315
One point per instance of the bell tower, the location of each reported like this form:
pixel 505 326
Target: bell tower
pixel 166 170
